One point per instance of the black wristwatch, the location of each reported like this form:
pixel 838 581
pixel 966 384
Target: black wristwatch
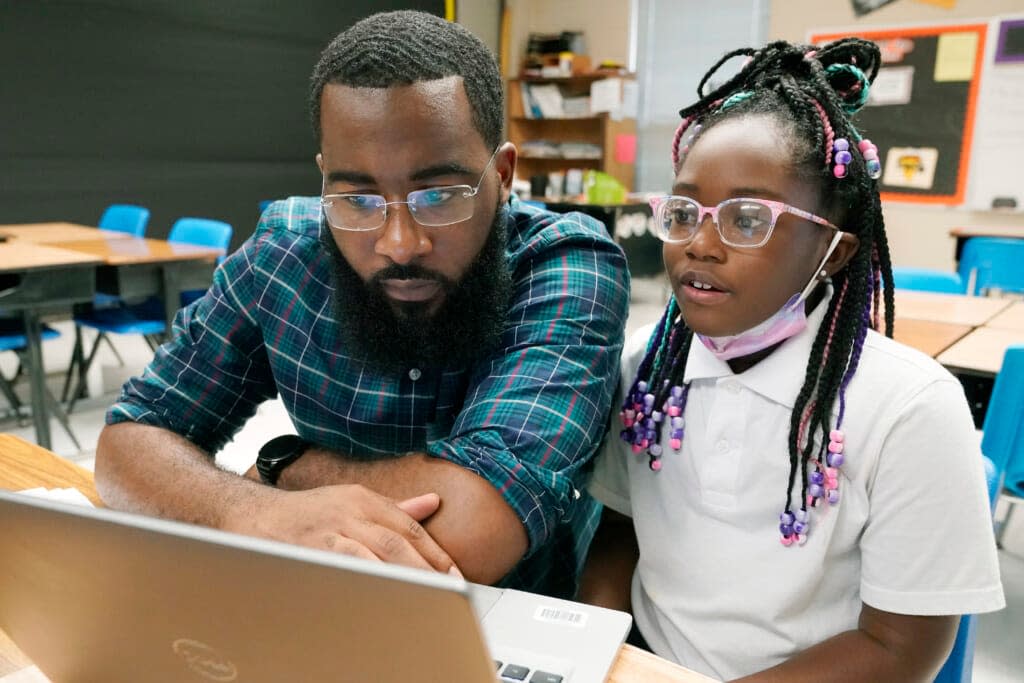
pixel 277 454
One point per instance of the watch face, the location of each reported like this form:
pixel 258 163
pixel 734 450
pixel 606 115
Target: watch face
pixel 277 454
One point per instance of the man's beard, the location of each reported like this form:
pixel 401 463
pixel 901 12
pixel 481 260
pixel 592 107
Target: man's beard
pixel 398 336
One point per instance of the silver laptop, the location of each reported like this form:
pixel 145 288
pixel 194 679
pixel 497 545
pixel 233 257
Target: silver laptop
pixel 100 595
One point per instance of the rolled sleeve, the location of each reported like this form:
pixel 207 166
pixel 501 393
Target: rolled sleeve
pixel 535 415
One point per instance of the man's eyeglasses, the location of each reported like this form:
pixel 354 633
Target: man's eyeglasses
pixel 433 207
pixel 740 222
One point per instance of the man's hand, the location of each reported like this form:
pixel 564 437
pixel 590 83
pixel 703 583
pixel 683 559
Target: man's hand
pixel 350 519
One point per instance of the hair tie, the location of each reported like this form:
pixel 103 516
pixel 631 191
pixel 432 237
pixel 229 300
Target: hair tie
pixel 854 96
pixel 735 99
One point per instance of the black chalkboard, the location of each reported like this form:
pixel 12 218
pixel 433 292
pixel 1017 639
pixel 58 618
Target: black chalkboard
pixel 188 107
pixel 937 117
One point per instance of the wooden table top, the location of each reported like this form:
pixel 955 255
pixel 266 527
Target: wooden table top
pixel 136 250
pixel 993 231
pixel 44 233
pixel 957 309
pixel 1011 318
pixel 15 256
pixel 981 350
pixel 929 336
pixel 24 465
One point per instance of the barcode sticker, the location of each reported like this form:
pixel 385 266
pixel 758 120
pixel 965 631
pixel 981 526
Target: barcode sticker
pixel 558 615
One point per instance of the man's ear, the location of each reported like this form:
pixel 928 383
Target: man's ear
pixel 320 162
pixel 505 161
pixel 844 251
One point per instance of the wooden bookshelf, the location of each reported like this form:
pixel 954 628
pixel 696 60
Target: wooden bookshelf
pixel 600 130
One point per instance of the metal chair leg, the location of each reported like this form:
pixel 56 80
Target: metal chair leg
pixel 1012 502
pixel 83 370
pixel 58 412
pixel 113 348
pixel 75 364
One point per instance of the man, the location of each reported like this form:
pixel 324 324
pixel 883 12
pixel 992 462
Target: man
pixel 447 354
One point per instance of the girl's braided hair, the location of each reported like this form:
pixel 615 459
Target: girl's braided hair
pixel 812 93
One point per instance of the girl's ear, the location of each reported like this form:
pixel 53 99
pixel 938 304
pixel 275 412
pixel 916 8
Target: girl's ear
pixel 841 255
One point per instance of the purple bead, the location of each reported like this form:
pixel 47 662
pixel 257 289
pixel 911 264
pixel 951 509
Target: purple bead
pixel 677 422
pixel 649 423
pixel 800 527
pixel 786 517
pixel 641 387
pixel 677 433
pixel 834 459
pixel 843 157
pixel 648 401
pixel 651 434
pixel 841 145
pixel 833 496
pixel 786 529
pixel 816 477
pixel 801 515
pixel 815 490
pixel 657 416
pixel 677 391
pixel 655 450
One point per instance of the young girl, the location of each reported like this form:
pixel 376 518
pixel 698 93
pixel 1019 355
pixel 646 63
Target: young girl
pixel 800 498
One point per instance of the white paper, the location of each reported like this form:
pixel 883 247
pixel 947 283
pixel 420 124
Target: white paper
pixel 31 674
pixel 910 167
pixel 893 85
pixel 606 95
pixel 69 495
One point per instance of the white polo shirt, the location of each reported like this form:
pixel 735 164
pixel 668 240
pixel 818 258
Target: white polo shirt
pixel 717 592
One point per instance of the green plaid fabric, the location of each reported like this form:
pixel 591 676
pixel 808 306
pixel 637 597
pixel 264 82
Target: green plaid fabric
pixel 528 418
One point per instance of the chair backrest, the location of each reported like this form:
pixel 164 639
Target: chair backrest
pixel 928 280
pixel 125 218
pixel 1003 438
pixel 205 232
pixel 992 263
pixel 960 663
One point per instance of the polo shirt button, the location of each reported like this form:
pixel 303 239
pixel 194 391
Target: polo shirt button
pixel 414 374
pixel 722 446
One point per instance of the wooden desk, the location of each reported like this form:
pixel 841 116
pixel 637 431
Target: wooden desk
pixel 929 336
pixel 44 233
pixel 981 352
pixel 24 465
pixel 1011 318
pixel 962 234
pixel 957 309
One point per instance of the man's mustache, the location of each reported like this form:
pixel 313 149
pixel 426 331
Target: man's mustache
pixel 409 272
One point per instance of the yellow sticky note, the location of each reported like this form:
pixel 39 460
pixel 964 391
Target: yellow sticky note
pixel 955 55
pixel 945 4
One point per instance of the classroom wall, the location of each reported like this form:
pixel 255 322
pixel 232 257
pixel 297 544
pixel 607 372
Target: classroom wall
pixel 918 235
pixel 604 23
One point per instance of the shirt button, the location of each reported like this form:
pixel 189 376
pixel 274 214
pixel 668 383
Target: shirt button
pixel 414 374
pixel 722 446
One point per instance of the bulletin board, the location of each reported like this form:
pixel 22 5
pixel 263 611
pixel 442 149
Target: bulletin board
pixel 922 108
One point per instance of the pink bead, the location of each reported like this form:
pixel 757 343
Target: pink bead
pixel 656 465
pixel 637 448
pixel 628 422
pixel 787 541
pixel 836 435
pixel 831 484
pixel 839 171
pixel 831 473
pixel 870 155
pixel 835 446
pixel 676 443
pixel 645 443
pixel 674 411
pixel 864 144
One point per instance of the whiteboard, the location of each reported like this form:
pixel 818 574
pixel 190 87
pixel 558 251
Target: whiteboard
pixel 996 179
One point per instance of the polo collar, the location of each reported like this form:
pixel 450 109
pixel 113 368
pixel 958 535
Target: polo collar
pixel 778 377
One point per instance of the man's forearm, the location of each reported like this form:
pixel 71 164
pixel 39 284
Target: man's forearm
pixel 154 471
pixel 474 524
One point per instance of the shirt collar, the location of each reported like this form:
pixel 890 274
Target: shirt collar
pixel 777 377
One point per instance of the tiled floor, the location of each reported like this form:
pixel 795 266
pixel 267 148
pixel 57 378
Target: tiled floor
pixel 999 655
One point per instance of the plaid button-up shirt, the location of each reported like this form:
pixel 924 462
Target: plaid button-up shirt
pixel 528 418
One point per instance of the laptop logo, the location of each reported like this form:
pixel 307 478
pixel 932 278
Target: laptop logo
pixel 204 660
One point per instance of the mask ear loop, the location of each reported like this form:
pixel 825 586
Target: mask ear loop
pixel 820 274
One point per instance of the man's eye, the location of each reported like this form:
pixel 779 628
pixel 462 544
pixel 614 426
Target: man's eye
pixel 437 196
pixel 361 201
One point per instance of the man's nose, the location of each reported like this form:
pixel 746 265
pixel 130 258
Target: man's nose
pixel 402 239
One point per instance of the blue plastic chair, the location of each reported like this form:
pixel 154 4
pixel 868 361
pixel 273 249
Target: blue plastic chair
pixel 12 338
pixel 125 218
pixel 992 263
pixel 147 318
pixel 928 280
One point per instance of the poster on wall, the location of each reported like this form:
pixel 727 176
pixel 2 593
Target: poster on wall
pixel 921 108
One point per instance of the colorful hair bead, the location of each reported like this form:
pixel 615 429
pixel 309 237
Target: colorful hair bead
pixel 870 154
pixel 842 157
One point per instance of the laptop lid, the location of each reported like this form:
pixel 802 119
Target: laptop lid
pixel 100 595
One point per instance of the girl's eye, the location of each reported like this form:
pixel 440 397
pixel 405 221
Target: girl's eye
pixel 749 222
pixel 684 216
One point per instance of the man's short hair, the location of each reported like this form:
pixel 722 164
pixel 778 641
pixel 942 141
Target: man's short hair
pixel 405 47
